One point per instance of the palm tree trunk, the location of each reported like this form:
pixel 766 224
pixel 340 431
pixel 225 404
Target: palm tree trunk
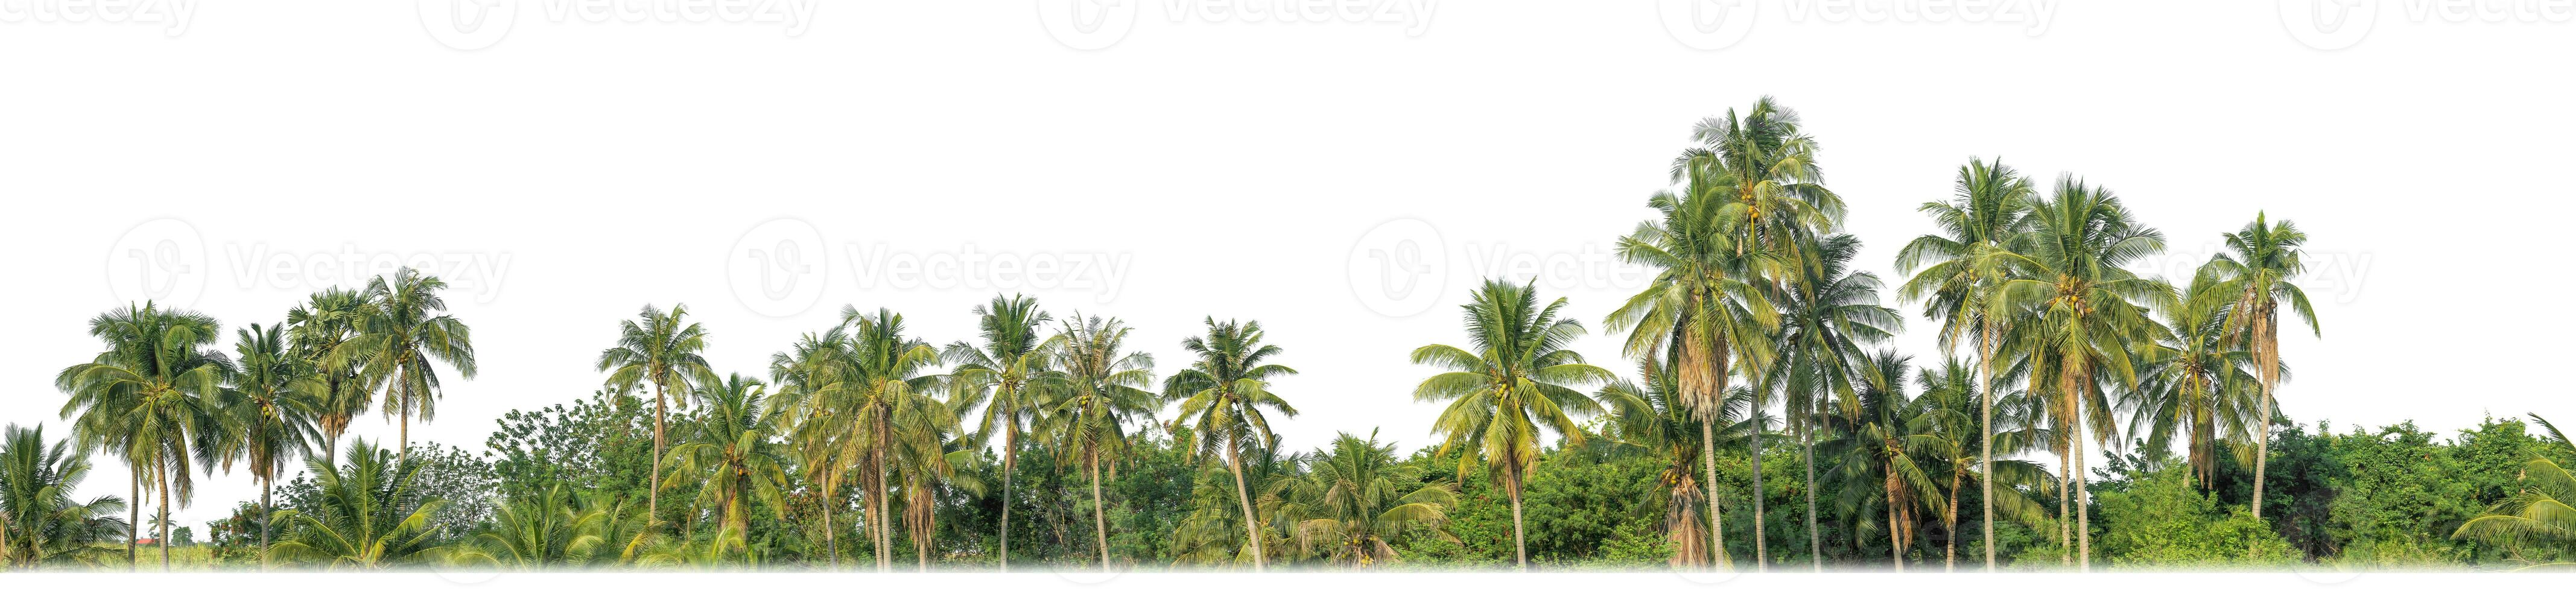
pixel 2083 515
pixel 2263 445
pixel 883 526
pixel 266 507
pixel 2065 515
pixel 1010 456
pixel 134 517
pixel 1761 548
pixel 829 542
pixel 653 484
pixel 1986 447
pixel 1716 528
pixel 1099 518
pixel 1251 525
pixel 1520 545
pixel 1950 524
pixel 164 534
pixel 1895 535
pixel 1815 539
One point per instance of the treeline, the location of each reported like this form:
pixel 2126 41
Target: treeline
pixel 2079 414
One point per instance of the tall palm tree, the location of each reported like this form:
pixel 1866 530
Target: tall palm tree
pixel 1222 394
pixel 1651 418
pixel 1101 390
pixel 1828 314
pixel 317 328
pixel 1949 412
pixel 662 350
pixel 1359 499
pixel 807 374
pixel 1519 379
pixel 152 394
pixel 1884 445
pixel 2081 307
pixel 883 381
pixel 41 523
pixel 731 452
pixel 1704 300
pixel 1004 370
pixel 404 333
pixel 369 514
pixel 270 407
pixel 1958 277
pixel 2256 270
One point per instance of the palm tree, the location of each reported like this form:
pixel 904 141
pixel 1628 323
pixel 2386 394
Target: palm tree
pixel 368 514
pixel 1949 412
pixel 1651 418
pixel 551 529
pixel 2256 270
pixel 1828 314
pixel 730 451
pixel 1519 379
pixel 926 459
pixel 2196 384
pixel 41 523
pixel 1003 371
pixel 1222 393
pixel 2541 511
pixel 2081 308
pixel 1990 203
pixel 271 407
pixel 1703 301
pixel 663 350
pixel 316 328
pixel 403 332
pixel 806 374
pixel 152 394
pixel 1359 499
pixel 1101 389
pixel 1884 444
pixel 881 382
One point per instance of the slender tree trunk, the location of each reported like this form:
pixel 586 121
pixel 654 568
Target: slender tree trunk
pixel 1761 546
pixel 1950 525
pixel 1895 533
pixel 2065 512
pixel 266 507
pixel 2083 515
pixel 1099 518
pixel 653 481
pixel 1251 525
pixel 829 541
pixel 1010 457
pixel 165 516
pixel 2263 445
pixel 1986 446
pixel 1520 545
pixel 883 526
pixel 1815 539
pixel 404 439
pixel 1716 526
pixel 134 517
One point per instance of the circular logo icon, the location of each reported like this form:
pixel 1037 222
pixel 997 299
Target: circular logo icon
pixel 1707 25
pixel 1399 268
pixel 2329 24
pixel 468 25
pixel 1088 24
pixel 161 261
pixel 777 268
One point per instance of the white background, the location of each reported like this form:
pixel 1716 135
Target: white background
pixel 1237 167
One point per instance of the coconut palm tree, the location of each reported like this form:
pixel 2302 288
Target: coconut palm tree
pixel 2540 512
pixel 1828 314
pixel 1958 277
pixel 1100 390
pixel 404 333
pixel 1704 301
pixel 41 523
pixel 1950 411
pixel 270 407
pixel 883 381
pixel 1519 379
pixel 1003 371
pixel 807 374
pixel 152 394
pixel 1881 453
pixel 2255 273
pixel 1359 499
pixel 316 328
pixel 662 350
pixel 2195 386
pixel 2080 308
pixel 731 452
pixel 550 529
pixel 1222 394
pixel 368 514
pixel 1651 418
